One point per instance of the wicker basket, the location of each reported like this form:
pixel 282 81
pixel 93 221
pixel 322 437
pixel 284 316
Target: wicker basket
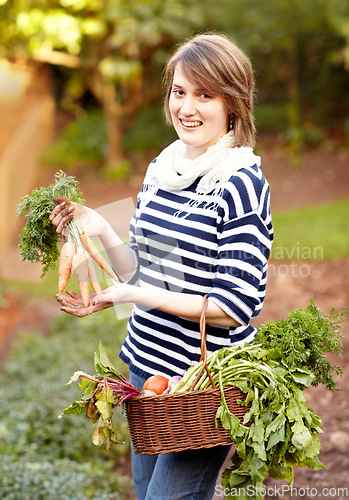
pixel 184 420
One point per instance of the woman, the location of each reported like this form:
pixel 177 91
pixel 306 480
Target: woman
pixel 202 226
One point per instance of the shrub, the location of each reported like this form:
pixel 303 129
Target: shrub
pixel 83 139
pixel 60 479
pixel 149 132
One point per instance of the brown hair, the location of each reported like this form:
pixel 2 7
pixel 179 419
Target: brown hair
pixel 217 65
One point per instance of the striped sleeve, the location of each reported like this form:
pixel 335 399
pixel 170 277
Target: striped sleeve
pixel 244 244
pixel 244 248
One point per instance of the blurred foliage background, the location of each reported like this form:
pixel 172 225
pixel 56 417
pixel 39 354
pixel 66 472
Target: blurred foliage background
pixel 106 59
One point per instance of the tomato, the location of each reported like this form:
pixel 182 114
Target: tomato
pixel 156 383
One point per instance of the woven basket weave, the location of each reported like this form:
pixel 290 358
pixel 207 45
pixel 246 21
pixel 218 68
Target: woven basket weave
pixel 184 420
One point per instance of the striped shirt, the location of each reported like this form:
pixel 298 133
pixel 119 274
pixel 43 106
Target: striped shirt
pixel 217 246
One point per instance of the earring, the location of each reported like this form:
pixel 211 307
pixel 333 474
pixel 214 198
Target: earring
pixel 231 123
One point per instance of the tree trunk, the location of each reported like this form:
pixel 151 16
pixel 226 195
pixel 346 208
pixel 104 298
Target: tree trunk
pixel 296 137
pixel 115 112
pixel 105 93
pixel 114 136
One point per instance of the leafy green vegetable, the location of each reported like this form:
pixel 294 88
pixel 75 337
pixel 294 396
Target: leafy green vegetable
pixel 38 239
pixel 102 394
pixel 279 432
pixel 303 340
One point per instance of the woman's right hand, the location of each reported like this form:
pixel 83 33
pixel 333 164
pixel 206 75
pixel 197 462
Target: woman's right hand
pixel 89 220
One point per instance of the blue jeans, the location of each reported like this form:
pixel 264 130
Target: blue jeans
pixel 189 475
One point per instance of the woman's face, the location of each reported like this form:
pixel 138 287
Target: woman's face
pixel 199 119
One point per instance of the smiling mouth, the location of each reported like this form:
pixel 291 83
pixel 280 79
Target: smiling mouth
pixel 194 124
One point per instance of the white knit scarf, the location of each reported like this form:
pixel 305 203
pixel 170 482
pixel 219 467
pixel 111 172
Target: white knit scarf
pixel 173 171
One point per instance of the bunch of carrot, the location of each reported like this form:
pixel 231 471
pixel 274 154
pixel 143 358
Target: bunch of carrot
pixel 76 257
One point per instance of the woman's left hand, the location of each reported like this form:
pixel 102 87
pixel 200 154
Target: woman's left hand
pixel 120 293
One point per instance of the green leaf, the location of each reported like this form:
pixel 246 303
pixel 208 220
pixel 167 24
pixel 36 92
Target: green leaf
pixel 278 471
pixel 76 376
pixel 302 437
pixel 313 449
pixel 103 359
pixel 276 437
pixel 315 420
pixel 313 463
pixel 103 364
pixel 88 386
pixel 241 449
pixel 104 409
pixel 227 419
pixel 258 469
pixel 255 410
pixel 105 393
pixel 302 377
pixel 259 450
pixel 234 477
pixel 75 408
pixel 277 423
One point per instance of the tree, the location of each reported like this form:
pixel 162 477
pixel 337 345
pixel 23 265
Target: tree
pixel 338 12
pixel 117 45
pixel 287 42
pixel 299 50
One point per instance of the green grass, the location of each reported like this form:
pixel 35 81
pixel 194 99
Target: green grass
pixel 312 233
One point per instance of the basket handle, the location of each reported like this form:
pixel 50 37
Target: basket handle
pixel 203 346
